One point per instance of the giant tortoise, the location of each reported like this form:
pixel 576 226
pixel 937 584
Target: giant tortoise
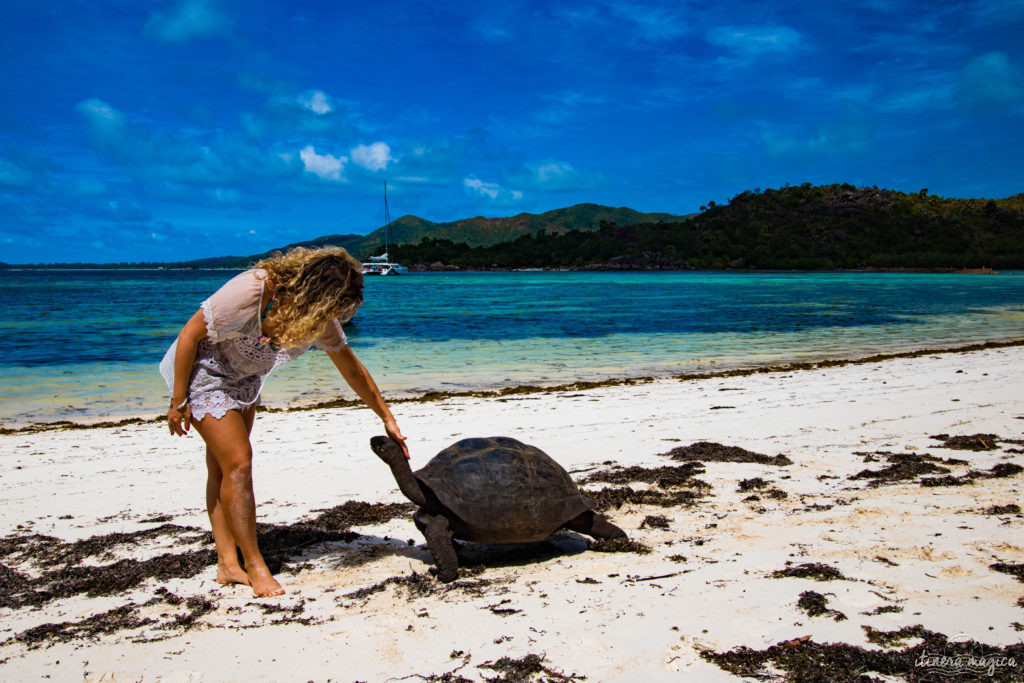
pixel 490 490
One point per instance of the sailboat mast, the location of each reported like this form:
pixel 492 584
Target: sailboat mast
pixel 387 221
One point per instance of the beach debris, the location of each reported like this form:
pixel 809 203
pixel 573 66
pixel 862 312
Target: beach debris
pixel 936 657
pixel 1016 570
pixel 124 618
pixel 1009 509
pixel 903 467
pixel 530 667
pixel 970 442
pixel 619 545
pixel 751 484
pixel 709 451
pixel 666 476
pixel 502 611
pixel 810 570
pixel 655 522
pixel 816 605
pixel 998 471
pixel 490 490
pixel 62 569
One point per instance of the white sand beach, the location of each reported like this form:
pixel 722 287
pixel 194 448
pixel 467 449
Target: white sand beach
pixel 910 554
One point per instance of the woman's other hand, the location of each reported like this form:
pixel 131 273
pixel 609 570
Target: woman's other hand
pixel 391 427
pixel 179 420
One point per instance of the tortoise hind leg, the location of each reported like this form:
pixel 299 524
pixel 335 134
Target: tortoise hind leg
pixel 594 524
pixel 439 541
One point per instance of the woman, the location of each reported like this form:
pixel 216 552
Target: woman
pixel 215 370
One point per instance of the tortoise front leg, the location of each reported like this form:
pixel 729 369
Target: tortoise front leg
pixel 594 524
pixel 439 541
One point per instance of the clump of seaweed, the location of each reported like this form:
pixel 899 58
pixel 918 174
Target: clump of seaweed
pixel 805 660
pixel 1009 509
pixel 1015 570
pixel 63 572
pixel 111 621
pixel 904 466
pixel 890 639
pixel 619 545
pixel 617 496
pixel 816 605
pixel 810 570
pixel 530 667
pixel 998 471
pixel 971 442
pixel 655 522
pixel 667 476
pixel 415 585
pixel 751 484
pixel 708 451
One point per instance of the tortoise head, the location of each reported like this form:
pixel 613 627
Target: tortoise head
pixel 389 451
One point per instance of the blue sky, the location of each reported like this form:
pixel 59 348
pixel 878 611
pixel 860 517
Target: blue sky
pixel 139 130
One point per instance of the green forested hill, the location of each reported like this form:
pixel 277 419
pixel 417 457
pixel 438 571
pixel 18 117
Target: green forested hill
pixel 476 232
pixel 803 227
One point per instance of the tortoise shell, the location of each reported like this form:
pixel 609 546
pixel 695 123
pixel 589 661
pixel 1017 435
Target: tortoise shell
pixel 501 490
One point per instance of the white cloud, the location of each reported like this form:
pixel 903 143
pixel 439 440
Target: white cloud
pixel 185 20
pixel 373 157
pixel 989 81
pixel 12 175
pixel 492 191
pixel 326 166
pixel 753 41
pixel 316 101
pixel 555 176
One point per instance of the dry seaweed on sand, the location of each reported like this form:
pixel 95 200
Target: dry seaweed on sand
pixel 619 545
pixel 803 659
pixel 530 667
pixel 810 570
pixel 62 571
pixel 417 585
pixel 1008 509
pixel 667 476
pixel 906 466
pixel 708 451
pixel 1015 570
pixel 117 619
pixel 655 522
pixel 751 484
pixel 617 496
pixel 969 442
pixel 998 471
pixel 123 618
pixel 816 605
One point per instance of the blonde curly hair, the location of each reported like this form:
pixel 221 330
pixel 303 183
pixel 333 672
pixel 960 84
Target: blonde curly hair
pixel 316 286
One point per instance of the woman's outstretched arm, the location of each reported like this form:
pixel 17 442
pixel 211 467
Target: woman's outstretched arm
pixel 179 419
pixel 358 377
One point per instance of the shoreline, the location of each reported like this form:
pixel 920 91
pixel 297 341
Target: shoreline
pixel 523 389
pixel 860 514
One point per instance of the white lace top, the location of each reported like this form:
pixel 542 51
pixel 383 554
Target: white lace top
pixel 235 352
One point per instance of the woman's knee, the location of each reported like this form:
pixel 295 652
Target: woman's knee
pixel 235 460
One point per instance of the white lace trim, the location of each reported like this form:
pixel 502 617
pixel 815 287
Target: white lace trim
pixel 211 331
pixel 217 403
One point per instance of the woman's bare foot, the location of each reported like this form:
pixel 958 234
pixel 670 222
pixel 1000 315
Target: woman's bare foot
pixel 263 583
pixel 229 575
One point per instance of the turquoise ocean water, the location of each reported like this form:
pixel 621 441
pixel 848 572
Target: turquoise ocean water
pixel 84 345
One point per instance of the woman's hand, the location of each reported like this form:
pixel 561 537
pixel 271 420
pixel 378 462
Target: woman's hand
pixel 391 427
pixel 179 420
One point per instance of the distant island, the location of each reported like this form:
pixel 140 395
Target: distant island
pixel 804 227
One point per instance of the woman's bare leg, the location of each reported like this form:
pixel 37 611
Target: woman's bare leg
pixel 234 508
pixel 228 569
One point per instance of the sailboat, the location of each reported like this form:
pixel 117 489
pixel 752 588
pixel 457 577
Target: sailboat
pixel 382 265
